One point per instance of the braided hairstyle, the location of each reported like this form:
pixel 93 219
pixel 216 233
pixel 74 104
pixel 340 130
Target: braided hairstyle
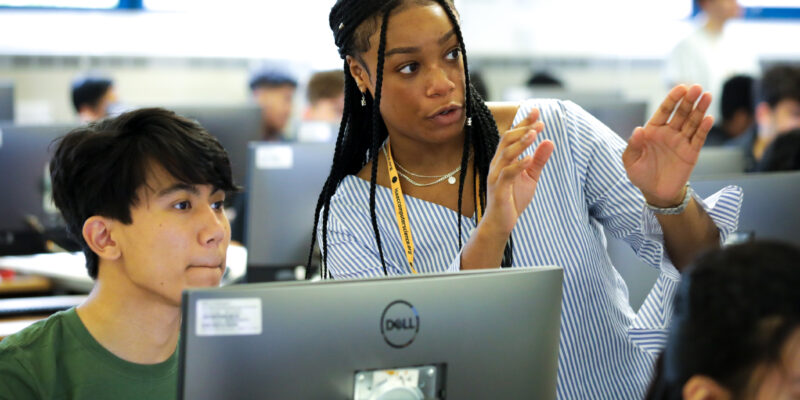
pixel 362 130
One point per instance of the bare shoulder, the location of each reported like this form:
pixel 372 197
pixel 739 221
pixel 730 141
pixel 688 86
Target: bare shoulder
pixel 504 113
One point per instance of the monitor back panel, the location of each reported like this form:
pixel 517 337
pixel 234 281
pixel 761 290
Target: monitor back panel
pixel 25 152
pixel 496 333
pixel 6 102
pixel 719 161
pixel 769 205
pixel 284 183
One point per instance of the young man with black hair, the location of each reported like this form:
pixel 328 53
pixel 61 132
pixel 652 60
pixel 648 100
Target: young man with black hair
pixel 93 97
pixel 738 114
pixel 143 194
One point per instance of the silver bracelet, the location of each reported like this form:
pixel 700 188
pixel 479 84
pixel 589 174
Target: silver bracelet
pixel 673 210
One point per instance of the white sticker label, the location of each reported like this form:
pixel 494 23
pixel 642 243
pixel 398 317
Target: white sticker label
pixel 228 317
pixel 274 157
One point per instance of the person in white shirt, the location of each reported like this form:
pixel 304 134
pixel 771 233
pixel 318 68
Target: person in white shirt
pixel 708 56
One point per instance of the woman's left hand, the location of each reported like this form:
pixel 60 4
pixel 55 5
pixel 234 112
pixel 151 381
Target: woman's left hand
pixel 661 155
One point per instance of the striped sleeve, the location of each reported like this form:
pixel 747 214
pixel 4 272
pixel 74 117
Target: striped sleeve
pixel 620 207
pixel 610 196
pixel 352 250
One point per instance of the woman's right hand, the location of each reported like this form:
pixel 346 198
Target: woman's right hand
pixel 512 181
pixel 510 187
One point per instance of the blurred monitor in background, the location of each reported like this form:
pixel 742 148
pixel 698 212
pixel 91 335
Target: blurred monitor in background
pixel 325 95
pixel 28 217
pixel 738 114
pixel 94 97
pixel 6 101
pixel 708 56
pixel 783 154
pixel 273 89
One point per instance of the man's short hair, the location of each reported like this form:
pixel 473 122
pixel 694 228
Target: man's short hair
pixel 325 85
pixel 98 169
pixel 271 77
pixel 89 90
pixel 737 94
pixel 781 82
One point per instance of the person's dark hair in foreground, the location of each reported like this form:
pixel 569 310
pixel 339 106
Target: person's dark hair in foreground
pixel 736 329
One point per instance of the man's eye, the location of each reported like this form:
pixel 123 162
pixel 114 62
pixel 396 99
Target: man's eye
pixel 219 205
pixel 184 205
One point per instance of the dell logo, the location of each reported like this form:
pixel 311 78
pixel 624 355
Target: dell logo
pixel 399 324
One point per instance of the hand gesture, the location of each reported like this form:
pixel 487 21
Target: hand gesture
pixel 661 155
pixel 512 181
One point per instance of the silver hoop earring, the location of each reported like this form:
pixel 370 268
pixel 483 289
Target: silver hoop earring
pixel 363 100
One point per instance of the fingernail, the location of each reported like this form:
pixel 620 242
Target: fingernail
pixel 528 137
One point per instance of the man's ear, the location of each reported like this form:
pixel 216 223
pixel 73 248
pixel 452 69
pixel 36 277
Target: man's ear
pixel 700 387
pixel 97 234
pixel 359 73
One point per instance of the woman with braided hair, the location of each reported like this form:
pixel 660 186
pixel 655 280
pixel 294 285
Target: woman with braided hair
pixel 428 178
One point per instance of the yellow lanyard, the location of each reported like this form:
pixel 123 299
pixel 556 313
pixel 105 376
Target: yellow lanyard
pixel 400 209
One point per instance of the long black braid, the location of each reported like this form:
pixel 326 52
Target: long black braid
pixel 362 130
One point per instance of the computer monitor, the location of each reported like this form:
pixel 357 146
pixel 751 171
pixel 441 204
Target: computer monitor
pixel 233 126
pixel 769 207
pixel 621 116
pixel 284 182
pixel 769 211
pixel 6 102
pixel 719 161
pixel 468 335
pixel 25 207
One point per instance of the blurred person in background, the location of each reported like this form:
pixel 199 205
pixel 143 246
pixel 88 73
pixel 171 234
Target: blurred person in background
pixel 738 114
pixel 735 331
pixel 325 95
pixel 94 97
pixel 783 154
pixel 707 56
pixel 777 111
pixel 273 89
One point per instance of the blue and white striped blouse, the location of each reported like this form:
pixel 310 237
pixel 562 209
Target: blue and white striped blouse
pixel 606 350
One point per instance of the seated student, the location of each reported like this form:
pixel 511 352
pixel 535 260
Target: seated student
pixel 273 90
pixel 783 154
pixel 736 327
pixel 143 193
pixel 737 112
pixel 93 97
pixel 325 94
pixel 777 110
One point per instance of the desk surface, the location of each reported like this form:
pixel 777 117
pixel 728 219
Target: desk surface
pixel 25 284
pixel 68 270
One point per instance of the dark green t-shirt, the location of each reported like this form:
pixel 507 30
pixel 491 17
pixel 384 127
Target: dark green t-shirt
pixel 58 358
